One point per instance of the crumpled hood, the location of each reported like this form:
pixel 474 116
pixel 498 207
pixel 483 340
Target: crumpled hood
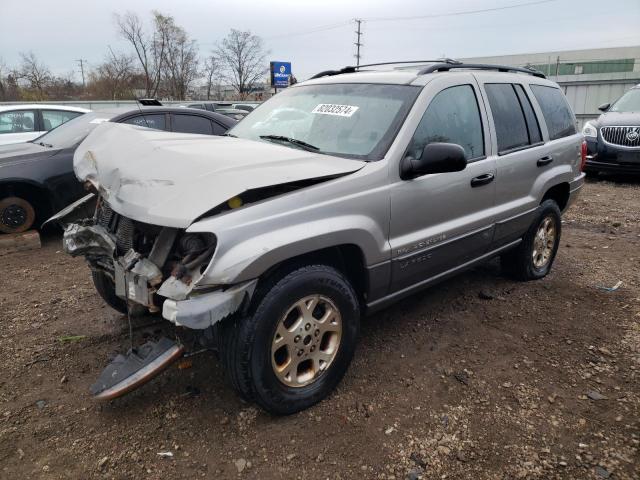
pixel 171 179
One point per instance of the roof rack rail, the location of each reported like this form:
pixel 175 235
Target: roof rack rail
pixel 438 65
pixel 445 67
pixel 355 68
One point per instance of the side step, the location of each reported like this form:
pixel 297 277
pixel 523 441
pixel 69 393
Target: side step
pixel 126 373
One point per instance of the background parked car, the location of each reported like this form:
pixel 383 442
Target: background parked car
pixel 613 140
pixel 225 108
pixel 21 123
pixel 37 178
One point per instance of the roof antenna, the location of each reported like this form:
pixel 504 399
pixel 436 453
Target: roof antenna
pixel 147 102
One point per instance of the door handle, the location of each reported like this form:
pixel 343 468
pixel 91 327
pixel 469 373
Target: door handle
pixel 545 161
pixel 482 180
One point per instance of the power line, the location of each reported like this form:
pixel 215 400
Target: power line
pixel 455 14
pixel 309 31
pixel 358 43
pixel 323 28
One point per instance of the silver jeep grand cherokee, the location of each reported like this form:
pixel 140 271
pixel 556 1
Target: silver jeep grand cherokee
pixel 335 198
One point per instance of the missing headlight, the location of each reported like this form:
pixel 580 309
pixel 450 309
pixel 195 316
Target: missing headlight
pixel 194 250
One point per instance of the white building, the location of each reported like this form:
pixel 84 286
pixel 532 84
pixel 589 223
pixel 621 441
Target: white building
pixel 588 77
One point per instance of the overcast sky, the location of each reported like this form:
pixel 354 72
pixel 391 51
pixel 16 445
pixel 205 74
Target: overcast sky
pixel 319 34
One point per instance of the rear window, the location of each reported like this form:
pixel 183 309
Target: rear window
pixel 555 110
pixel 54 118
pixel 192 124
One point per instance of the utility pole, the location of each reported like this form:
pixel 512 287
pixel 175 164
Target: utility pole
pixel 82 61
pixel 357 43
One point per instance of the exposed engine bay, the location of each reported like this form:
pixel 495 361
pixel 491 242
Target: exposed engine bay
pixel 139 258
pixel 154 268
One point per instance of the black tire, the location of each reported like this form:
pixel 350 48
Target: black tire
pixel 519 262
pixel 245 342
pixel 16 215
pixel 107 290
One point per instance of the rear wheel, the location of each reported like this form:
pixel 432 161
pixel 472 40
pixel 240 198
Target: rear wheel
pixel 533 258
pixel 16 215
pixel 107 290
pixel 297 343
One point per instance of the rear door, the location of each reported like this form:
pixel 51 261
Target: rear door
pixel 520 153
pixel 441 221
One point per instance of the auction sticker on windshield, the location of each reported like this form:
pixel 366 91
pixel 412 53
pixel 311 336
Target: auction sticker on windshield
pixel 333 109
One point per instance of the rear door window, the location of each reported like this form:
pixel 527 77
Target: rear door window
pixel 54 118
pixel 555 110
pixel 17 121
pixel 452 116
pixel 529 115
pixel 508 117
pixel 155 121
pixel 192 124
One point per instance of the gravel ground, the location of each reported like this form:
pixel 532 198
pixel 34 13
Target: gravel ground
pixel 479 377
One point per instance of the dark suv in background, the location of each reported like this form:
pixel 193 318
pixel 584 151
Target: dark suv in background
pixel 613 140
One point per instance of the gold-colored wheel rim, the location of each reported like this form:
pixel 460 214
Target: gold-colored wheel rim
pixel 544 242
pixel 306 341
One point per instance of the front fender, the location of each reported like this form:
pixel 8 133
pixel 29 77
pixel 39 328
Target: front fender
pixel 239 260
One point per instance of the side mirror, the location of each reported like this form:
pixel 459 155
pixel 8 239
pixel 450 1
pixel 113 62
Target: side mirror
pixel 604 107
pixel 436 158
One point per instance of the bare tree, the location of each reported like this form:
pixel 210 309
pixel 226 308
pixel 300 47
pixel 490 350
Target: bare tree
pixel 35 73
pixel 113 77
pixel 180 59
pixel 211 67
pixel 242 56
pixel 149 49
pixel 3 79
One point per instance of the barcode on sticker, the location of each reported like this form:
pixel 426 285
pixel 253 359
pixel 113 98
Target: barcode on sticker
pixel 333 109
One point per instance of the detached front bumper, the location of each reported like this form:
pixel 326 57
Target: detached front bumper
pixel 204 310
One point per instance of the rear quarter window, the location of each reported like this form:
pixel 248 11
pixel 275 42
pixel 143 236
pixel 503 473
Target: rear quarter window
pixel 555 110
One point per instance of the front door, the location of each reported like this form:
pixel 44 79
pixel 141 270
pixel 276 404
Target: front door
pixel 440 221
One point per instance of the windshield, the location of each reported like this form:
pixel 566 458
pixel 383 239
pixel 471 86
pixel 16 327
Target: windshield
pixel 70 133
pixel 629 102
pixel 351 120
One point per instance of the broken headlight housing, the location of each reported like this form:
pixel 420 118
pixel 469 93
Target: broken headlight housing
pixel 193 252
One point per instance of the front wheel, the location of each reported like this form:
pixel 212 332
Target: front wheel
pixel 297 343
pixel 533 258
pixel 107 290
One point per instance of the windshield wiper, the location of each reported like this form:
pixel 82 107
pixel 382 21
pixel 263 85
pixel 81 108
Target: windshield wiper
pixel 293 141
pixel 230 135
pixel 42 144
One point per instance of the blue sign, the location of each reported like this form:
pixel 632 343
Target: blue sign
pixel 280 74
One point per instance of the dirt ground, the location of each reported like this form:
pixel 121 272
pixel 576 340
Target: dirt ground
pixel 479 377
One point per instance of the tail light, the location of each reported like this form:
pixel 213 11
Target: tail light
pixel 583 155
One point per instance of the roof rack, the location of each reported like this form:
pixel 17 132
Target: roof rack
pixel 355 68
pixel 439 65
pixel 445 67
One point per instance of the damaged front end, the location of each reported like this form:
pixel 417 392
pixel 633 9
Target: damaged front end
pixel 158 268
